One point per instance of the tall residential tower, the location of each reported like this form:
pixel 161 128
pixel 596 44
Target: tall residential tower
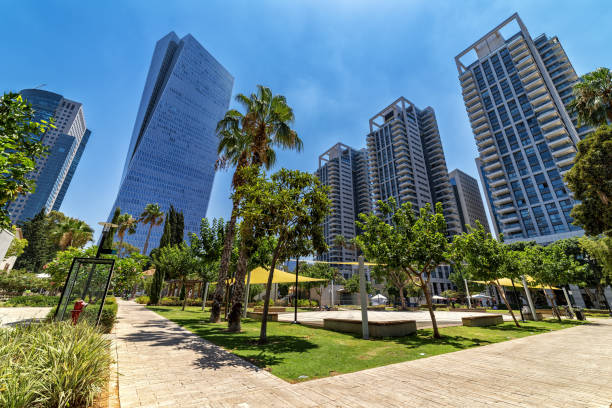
pixel 516 90
pixel 172 153
pixel 407 161
pixel 468 200
pixel 345 171
pixel 65 144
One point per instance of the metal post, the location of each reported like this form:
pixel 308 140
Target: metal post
pixel 246 295
pixel 567 299
pixel 529 300
pixel 467 292
pixel 332 294
pixel 364 300
pixel 205 296
pixel 295 292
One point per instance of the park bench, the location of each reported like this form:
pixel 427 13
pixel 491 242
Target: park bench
pixel 397 328
pixel 272 316
pixel 480 321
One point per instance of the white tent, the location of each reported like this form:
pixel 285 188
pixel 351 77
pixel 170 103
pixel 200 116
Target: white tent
pixel 436 297
pixel 378 300
pixel 481 296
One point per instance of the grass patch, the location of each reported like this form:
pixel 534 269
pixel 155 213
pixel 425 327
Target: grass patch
pixel 295 350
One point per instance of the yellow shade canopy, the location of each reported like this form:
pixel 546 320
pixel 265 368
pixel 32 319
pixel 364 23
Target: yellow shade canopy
pixel 508 282
pixel 260 275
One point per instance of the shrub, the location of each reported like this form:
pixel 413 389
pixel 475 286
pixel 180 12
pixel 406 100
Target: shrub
pixel 52 365
pixel 90 314
pixel 143 300
pixel 33 301
pixel 17 281
pixel 306 303
pixel 176 301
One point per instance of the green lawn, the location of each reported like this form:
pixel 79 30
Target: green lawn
pixel 294 350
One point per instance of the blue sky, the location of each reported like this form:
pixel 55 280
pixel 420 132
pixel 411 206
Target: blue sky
pixel 337 62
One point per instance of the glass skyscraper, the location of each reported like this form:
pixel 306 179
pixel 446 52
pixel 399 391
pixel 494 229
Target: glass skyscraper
pixel 172 153
pixel 516 90
pixel 66 143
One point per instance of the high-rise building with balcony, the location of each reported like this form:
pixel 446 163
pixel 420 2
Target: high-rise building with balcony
pixel 516 90
pixel 468 200
pixel 172 153
pixel 407 161
pixel 65 144
pixel 345 171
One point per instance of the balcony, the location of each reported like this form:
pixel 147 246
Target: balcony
pixel 566 160
pixel 483 133
pixel 498 182
pixel 467 89
pixel 506 209
pixel 563 150
pixel 545 114
pixel 484 142
pixel 489 157
pixel 496 164
pixel 512 227
pixel 477 116
pixel 534 93
pixel 541 99
pixel 536 81
pixel 517 45
pixel 547 104
pixel 559 140
pixel 510 218
pixel 495 175
pixel 488 150
pixel 470 93
pixel 474 107
pixel 469 80
pixel 551 122
pixel 501 191
pixel 520 55
pixel 472 99
pixel 478 128
pixel 503 200
pixel 525 62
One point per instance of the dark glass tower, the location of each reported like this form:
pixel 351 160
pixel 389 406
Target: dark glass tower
pixel 173 149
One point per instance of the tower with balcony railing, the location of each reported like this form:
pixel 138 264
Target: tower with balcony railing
pixel 407 160
pixel 516 90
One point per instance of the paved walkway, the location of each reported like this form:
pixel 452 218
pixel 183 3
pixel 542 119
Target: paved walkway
pixel 11 316
pixel 161 364
pixel 422 318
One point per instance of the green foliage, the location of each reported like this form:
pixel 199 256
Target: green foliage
pixel 177 261
pixel 408 248
pixel 125 224
pixel 128 272
pixel 41 249
pixel 59 267
pixel 108 240
pixel 18 281
pixel 600 249
pixel 207 246
pixel 152 215
pixel 351 285
pixel 590 179
pixel 17 246
pixel 143 300
pixel 52 365
pixel 177 301
pixel 593 98
pixel 67 231
pixel 20 146
pixel 33 301
pixel 107 317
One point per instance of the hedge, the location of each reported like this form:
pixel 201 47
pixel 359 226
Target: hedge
pixel 32 301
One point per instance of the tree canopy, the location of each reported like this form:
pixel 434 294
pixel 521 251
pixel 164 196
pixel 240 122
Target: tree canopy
pixel 593 98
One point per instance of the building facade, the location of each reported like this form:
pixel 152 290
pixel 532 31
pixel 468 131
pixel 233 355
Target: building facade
pixel 345 171
pixel 468 200
pixel 515 93
pixel 173 149
pixel 407 161
pixel 65 144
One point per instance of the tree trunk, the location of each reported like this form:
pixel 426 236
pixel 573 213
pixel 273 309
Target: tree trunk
pixel 602 294
pixel 553 303
pixel 235 314
pixel 503 295
pixel 146 245
pixel 434 323
pixel 263 339
pixel 402 298
pixel 215 310
pixel 186 294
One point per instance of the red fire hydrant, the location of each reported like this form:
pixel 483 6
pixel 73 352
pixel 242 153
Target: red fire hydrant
pixel 79 306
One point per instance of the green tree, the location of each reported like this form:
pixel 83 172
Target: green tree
pixel 59 267
pixel 178 261
pixel 414 245
pixel 486 259
pixel 125 224
pixel 318 271
pixel 17 246
pixel 250 139
pixel 590 179
pixel 600 250
pixel 351 285
pixel 291 206
pixel 153 216
pixel 71 232
pixel 127 273
pixel 593 98
pixel 41 248
pixel 108 241
pixel 207 247
pixel 20 147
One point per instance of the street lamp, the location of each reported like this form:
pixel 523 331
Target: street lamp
pixel 106 226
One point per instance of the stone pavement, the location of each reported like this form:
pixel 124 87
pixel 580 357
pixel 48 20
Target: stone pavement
pixel 422 318
pixel 162 365
pixel 11 316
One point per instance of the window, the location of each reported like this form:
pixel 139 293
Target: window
pixel 530 190
pixel 511 138
pixel 521 164
pixel 541 220
pixel 543 187
pixel 557 183
pixel 501 143
pixel 545 155
pixel 496 95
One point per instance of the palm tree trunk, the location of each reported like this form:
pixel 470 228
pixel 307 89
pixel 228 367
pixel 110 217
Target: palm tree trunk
pixel 503 295
pixel 263 338
pixel 215 310
pixel 146 245
pixel 434 323
pixel 233 318
pixel 119 246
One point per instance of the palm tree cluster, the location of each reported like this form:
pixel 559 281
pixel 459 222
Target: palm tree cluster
pixel 249 139
pixel 69 232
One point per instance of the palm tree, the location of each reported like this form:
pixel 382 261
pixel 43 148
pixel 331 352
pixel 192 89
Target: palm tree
pixel 153 216
pixel 126 223
pixel 593 98
pixel 250 139
pixel 73 232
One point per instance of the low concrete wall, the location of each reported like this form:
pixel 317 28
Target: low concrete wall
pixel 528 315
pixel 272 317
pixel 275 309
pixel 397 328
pixel 474 309
pixel 480 321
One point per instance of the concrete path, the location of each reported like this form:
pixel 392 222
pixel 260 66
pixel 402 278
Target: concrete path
pixel 422 318
pixel 11 316
pixel 162 365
